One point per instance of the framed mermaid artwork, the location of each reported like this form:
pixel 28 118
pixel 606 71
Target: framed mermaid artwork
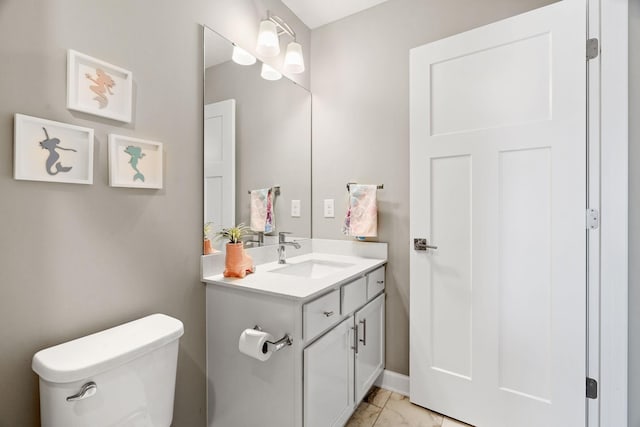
pixel 45 150
pixel 134 162
pixel 99 88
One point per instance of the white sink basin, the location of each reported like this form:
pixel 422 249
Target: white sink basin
pixel 312 269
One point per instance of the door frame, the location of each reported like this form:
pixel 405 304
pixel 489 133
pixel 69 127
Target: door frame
pixel 608 245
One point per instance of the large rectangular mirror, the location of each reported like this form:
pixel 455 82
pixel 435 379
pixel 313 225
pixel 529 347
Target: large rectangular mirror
pixel 257 137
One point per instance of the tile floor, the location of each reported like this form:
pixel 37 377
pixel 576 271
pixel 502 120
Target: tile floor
pixel 383 408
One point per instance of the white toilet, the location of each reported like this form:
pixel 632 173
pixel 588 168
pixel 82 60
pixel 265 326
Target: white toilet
pixel 121 377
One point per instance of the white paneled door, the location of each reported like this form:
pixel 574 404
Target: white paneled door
pixel 498 184
pixel 219 163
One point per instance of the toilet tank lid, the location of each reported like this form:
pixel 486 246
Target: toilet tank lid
pixel 96 353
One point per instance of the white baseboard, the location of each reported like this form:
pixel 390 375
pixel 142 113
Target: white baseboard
pixel 393 381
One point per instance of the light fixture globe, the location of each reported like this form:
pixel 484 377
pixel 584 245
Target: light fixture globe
pixel 270 73
pixel 242 57
pixel 268 43
pixel 293 60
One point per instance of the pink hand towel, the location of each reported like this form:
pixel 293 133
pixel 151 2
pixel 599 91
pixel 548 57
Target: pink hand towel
pixel 362 215
pixel 262 210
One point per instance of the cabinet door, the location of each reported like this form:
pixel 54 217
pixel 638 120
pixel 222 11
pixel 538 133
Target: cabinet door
pixel 328 378
pixel 370 351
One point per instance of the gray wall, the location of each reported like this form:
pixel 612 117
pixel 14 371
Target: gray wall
pixel 75 259
pixel 273 140
pixel 634 213
pixel 360 85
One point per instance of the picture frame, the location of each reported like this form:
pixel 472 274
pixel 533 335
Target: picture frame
pixel 99 88
pixel 135 162
pixel 46 150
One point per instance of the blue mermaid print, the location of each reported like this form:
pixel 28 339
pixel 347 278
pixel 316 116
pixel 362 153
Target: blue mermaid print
pixel 136 154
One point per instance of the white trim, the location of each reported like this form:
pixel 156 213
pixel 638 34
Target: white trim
pixel 614 223
pixel 393 381
pixel 593 201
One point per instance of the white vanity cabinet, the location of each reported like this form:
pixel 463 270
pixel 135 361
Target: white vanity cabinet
pixel 336 329
pixel 342 365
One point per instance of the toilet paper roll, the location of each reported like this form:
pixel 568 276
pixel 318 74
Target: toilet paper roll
pixel 253 343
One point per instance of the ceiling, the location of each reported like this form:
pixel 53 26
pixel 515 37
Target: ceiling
pixel 315 13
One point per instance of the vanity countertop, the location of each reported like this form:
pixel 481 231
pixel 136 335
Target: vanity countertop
pixel 267 281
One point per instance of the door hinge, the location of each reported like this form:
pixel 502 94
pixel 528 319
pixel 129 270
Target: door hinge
pixel 592 388
pixel 592 219
pixel 593 48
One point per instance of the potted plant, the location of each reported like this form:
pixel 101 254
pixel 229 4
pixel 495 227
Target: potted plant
pixel 233 234
pixel 207 248
pixel 237 263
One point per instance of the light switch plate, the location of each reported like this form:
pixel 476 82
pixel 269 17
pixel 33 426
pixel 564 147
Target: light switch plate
pixel 295 208
pixel 329 211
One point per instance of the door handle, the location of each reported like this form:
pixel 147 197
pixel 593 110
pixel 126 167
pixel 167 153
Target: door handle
pixel 364 332
pixel 422 245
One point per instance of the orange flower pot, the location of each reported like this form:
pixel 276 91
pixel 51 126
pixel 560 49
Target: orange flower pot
pixel 207 248
pixel 237 263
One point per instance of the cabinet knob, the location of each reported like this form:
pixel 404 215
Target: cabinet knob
pixel 380 282
pixel 328 313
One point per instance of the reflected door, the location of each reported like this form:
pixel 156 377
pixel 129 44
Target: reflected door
pixel 219 164
pixel 498 185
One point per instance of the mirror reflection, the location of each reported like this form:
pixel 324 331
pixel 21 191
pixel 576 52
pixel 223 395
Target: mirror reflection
pixel 257 146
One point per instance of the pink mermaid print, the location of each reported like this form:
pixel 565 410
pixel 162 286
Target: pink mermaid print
pixel 103 85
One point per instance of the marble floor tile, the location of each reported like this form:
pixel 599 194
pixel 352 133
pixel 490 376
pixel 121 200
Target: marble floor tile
pixel 399 412
pixel 383 408
pixel 378 397
pixel 448 422
pixel 364 416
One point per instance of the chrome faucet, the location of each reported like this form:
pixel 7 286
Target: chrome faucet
pixel 282 244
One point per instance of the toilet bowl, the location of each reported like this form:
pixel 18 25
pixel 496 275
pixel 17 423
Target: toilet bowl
pixel 120 377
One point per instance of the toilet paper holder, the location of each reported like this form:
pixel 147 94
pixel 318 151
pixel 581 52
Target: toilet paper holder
pixel 277 345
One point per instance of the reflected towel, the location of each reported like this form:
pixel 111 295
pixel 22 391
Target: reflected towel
pixel 262 219
pixel 362 214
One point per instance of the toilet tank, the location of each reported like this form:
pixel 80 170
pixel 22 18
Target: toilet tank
pixel 128 374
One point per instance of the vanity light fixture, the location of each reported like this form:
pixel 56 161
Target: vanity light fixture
pixel 269 43
pixel 242 57
pixel 270 73
pixel 293 60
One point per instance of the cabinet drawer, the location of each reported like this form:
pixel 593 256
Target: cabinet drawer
pixel 320 314
pixel 354 295
pixel 375 282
